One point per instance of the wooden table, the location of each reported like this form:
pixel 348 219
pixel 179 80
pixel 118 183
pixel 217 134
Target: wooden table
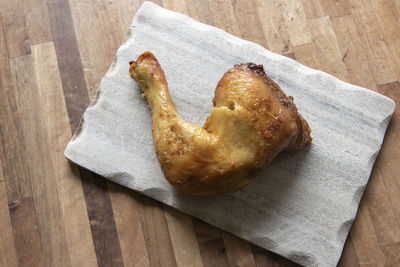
pixel 53 54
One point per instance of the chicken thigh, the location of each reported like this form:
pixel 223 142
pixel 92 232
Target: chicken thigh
pixel 251 122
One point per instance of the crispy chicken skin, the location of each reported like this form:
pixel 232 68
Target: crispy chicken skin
pixel 251 122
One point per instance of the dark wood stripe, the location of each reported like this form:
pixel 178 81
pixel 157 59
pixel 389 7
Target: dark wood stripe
pixel 69 61
pixel 265 258
pixel 391 90
pixel 211 244
pixel 104 232
pixel 101 218
pixel 349 256
pixel 26 233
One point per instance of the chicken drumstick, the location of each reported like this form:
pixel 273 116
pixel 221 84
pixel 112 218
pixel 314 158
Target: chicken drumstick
pixel 251 122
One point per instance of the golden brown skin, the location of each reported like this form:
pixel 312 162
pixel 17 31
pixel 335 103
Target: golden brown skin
pixel 251 122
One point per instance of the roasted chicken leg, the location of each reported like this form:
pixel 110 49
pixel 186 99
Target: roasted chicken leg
pixel 251 122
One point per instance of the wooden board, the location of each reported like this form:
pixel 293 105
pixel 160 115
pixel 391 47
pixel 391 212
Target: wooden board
pixel 53 54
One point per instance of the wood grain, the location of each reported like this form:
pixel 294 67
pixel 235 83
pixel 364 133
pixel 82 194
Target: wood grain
pixel 26 232
pixel 336 8
pixel 13 156
pixel 183 238
pixel 327 48
pixel 69 61
pixel 274 26
pixel 388 18
pixel 295 19
pixel 239 253
pixel 223 16
pixel 8 254
pixel 71 203
pixel 53 54
pixel 313 9
pixel 387 162
pixel 127 209
pixel 37 22
pixel 353 58
pixel 211 244
pixel 91 50
pixel 246 13
pixel 101 218
pixel 349 256
pixel 372 42
pixel 364 238
pixel 13 17
pixel 157 238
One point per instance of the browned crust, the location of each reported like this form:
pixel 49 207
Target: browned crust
pixel 303 130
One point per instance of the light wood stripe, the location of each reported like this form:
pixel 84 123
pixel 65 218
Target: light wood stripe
pixel 176 5
pixel 127 208
pixel 388 18
pixel 13 17
pixel 12 155
pixel 313 9
pixel 223 16
pixel 274 26
pixel 246 14
pixel 68 186
pixel 364 239
pixel 306 54
pixel 91 49
pixel 372 42
pixel 183 238
pixel 110 29
pixel 200 11
pixel 127 10
pixel 156 234
pixel 37 22
pixel 43 186
pixel 336 8
pixel 388 163
pixel 354 58
pixel 380 209
pixel 295 18
pixel 327 49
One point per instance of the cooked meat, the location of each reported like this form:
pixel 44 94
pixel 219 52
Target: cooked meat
pixel 251 122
